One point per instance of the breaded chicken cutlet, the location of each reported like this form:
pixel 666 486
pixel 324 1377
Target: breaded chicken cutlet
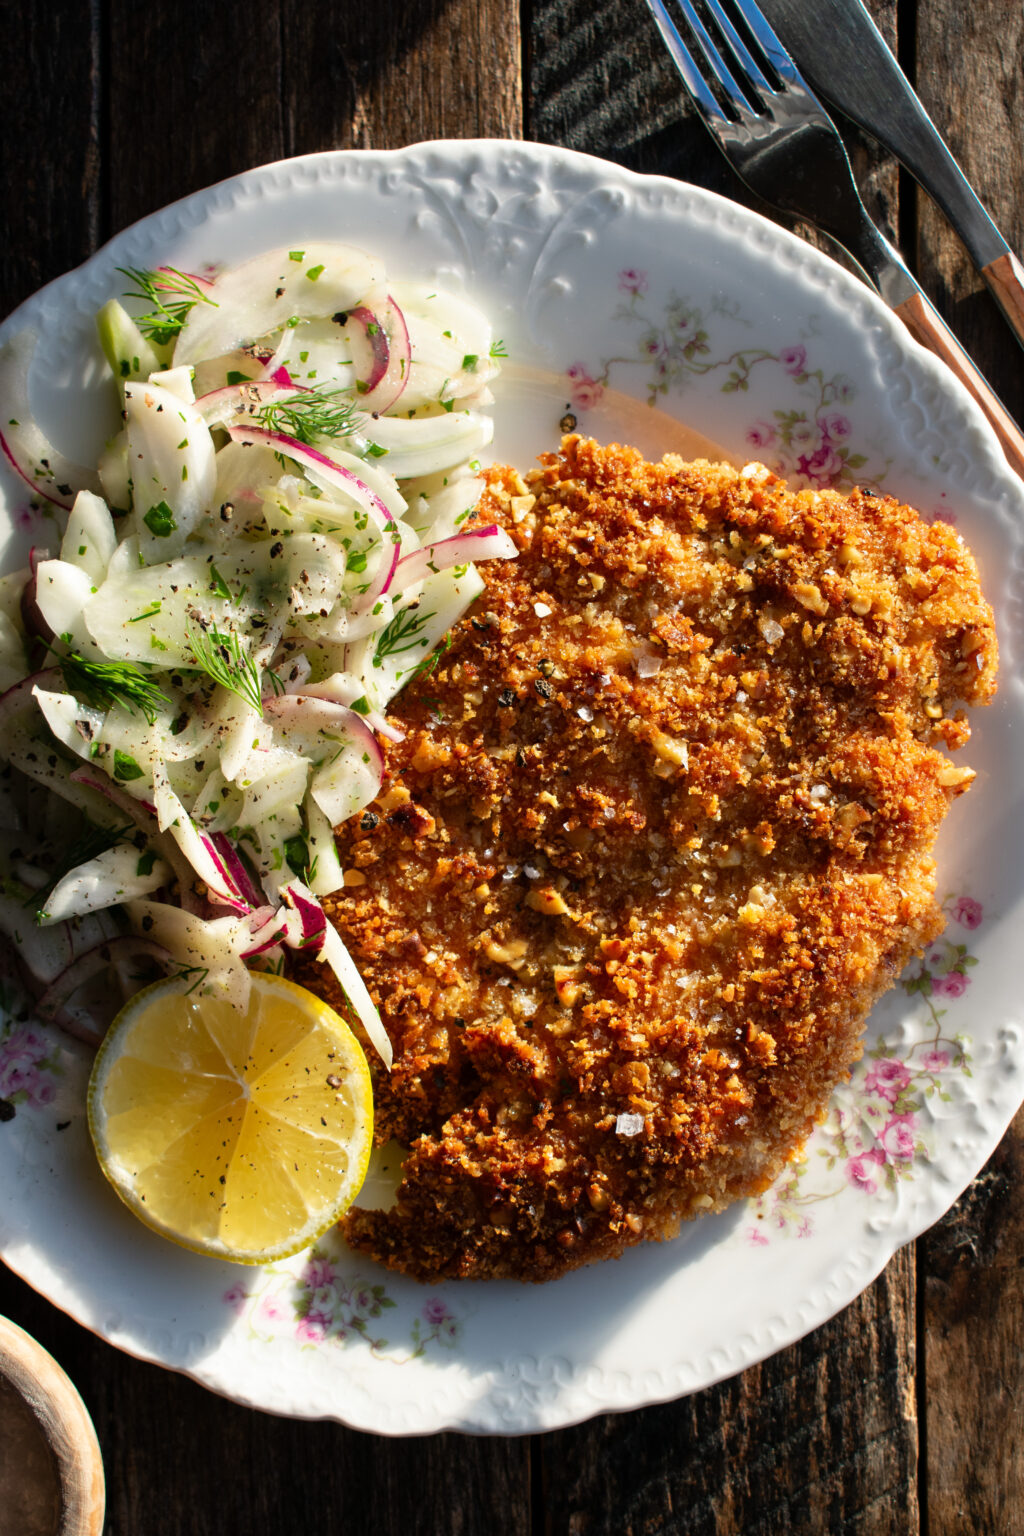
pixel 658 835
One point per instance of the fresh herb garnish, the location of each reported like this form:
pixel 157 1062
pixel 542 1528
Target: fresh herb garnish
pixel 404 633
pixel 311 416
pixel 172 294
pixel 106 683
pixel 125 766
pixel 160 520
pixel 220 655
pixel 498 349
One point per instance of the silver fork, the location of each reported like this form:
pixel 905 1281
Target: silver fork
pixel 779 139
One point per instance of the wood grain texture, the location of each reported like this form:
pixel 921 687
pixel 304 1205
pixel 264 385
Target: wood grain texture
pixel 50 172
pixel 970 76
pixel 192 95
pixel 972 1268
pixel 359 76
pixel 820 1438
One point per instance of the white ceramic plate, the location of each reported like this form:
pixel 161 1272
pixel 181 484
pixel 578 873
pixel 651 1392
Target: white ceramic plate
pixel 608 289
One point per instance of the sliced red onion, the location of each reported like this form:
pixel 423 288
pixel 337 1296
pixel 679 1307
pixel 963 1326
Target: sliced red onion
pixel 260 921
pixel 52 1004
pixel 204 856
pixel 234 864
pixel 311 915
pixel 490 543
pixel 220 405
pixel 346 690
pixel 327 469
pixel 388 337
pixel 303 710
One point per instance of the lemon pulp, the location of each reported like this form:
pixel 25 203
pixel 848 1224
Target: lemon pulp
pixel 238 1134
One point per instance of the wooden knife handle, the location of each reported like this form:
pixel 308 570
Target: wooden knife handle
pixel 1005 277
pixel 927 326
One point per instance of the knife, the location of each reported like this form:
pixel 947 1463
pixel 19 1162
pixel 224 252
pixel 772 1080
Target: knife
pixel 846 59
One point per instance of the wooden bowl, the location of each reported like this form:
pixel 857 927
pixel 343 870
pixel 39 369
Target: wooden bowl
pixel 51 1471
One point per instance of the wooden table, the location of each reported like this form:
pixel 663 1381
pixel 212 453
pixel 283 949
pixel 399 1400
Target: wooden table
pixel 904 1413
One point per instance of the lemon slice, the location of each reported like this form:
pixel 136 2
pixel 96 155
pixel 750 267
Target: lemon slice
pixel 239 1134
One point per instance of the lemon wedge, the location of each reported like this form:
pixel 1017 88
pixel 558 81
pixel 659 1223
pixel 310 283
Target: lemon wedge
pixel 239 1134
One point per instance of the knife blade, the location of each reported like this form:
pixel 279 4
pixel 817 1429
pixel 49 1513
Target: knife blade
pixel 847 60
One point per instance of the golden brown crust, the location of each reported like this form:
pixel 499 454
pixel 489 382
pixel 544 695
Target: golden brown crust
pixel 659 833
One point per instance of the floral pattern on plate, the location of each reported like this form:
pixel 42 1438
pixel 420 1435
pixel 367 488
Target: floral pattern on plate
pixel 875 1132
pixel 29 1058
pixel 325 1303
pixel 808 440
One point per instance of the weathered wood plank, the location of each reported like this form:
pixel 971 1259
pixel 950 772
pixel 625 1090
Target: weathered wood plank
pixel 970 68
pixel 360 76
pixel 50 173
pixel 193 96
pixel 972 1277
pixel 822 1437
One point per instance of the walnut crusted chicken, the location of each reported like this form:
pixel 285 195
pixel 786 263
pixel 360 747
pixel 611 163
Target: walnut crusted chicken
pixel 657 836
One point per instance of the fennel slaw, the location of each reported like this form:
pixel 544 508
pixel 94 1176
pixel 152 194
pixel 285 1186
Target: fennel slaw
pixel 274 542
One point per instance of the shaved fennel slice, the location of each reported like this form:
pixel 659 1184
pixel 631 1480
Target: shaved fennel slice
pixel 428 444
pixel 174 474
pixel 384 662
pixel 62 592
pixel 24 445
pixel 351 983
pixel 114 876
pixel 90 537
pixel 209 948
pixel 262 295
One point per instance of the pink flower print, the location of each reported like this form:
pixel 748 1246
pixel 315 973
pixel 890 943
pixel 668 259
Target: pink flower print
pixel 577 372
pixel 887 1078
pixel 860 1172
pixel 805 434
pixel 967 912
pixel 586 394
pixel 20 1057
pixel 310 1330
pixel 324 1303
pixel 652 345
pixel 631 280
pixel 236 1297
pixel 757 1238
pixel 823 466
pixel 935 1061
pixel 271 1310
pixel 953 984
pixel 896 1138
pixel 833 425
pixel 794 359
pixel 435 1311
pixel 761 434
pixel 319 1272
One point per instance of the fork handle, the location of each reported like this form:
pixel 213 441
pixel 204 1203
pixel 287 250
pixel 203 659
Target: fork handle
pixel 927 326
pixel 1005 277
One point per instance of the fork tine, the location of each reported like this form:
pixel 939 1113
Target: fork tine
pixel 713 58
pixel 739 47
pixel 777 55
pixel 683 60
